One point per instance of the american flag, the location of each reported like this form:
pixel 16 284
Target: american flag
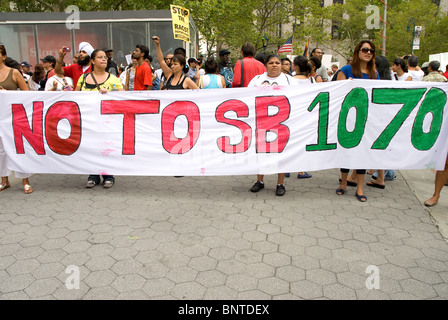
pixel 287 47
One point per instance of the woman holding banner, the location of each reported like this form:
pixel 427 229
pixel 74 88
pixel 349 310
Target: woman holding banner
pixel 362 67
pixel 175 75
pixel 11 79
pixel 99 80
pixel 272 77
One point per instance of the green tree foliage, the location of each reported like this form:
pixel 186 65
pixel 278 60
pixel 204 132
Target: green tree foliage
pixel 310 21
pixel 231 23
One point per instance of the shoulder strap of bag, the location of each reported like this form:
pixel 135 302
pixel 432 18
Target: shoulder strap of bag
pixel 94 80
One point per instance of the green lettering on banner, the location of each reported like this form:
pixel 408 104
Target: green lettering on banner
pixel 357 98
pixel 434 103
pixel 408 97
pixel 323 99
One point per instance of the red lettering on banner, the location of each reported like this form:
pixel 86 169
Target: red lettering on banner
pixel 63 110
pixel 241 110
pixel 266 123
pixel 129 108
pixel 22 128
pixel 170 113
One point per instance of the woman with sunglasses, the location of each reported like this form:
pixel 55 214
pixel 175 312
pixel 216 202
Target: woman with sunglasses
pixel 11 79
pixel 362 67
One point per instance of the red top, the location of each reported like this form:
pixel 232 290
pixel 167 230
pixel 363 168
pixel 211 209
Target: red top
pixel 143 77
pixel 251 68
pixel 74 71
pixel 445 74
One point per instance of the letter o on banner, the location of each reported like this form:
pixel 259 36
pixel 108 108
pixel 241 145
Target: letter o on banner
pixel 63 110
pixel 180 145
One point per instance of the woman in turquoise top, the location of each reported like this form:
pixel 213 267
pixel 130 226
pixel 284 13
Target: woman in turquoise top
pixel 211 79
pixel 362 67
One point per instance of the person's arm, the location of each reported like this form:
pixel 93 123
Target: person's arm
pixel 166 70
pixel 58 67
pixel 20 80
pixel 78 85
pixel 148 79
pixel 409 78
pixel 189 84
pixel 237 75
pixel 341 76
pixel 128 74
pixel 223 81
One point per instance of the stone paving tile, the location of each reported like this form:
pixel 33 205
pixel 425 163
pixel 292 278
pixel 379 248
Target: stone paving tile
pixel 210 238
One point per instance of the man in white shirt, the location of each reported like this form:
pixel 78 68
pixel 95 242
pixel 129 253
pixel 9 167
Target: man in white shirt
pixel 414 71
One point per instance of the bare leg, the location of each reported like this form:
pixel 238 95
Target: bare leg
pixel 441 177
pixel 379 181
pixel 343 184
pixel 360 187
pixel 260 177
pixel 353 177
pixel 380 178
pixel 281 178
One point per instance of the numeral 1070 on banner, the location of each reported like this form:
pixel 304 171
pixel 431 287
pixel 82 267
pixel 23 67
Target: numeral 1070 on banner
pixel 433 102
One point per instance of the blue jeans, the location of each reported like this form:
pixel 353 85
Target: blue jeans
pixel 388 175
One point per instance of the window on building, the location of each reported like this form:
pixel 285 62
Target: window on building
pixel 338 1
pixel 335 34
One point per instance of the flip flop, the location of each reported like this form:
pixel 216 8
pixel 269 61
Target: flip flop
pixel 350 183
pixel 340 192
pixel 361 198
pixel 305 175
pixel 375 185
pixel 27 189
pixel 5 186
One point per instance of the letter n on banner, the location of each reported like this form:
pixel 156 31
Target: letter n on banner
pixel 266 123
pixel 22 127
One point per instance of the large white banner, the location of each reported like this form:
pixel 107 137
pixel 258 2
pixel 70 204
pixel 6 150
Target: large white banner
pixel 357 124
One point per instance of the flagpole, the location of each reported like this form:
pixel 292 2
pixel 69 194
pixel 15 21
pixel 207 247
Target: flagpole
pixel 292 48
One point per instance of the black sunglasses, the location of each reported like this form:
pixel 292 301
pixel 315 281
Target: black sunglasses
pixel 365 50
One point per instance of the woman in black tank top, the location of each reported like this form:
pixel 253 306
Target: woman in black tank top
pixel 175 75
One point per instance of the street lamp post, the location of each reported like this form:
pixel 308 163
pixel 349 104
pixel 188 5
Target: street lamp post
pixel 411 22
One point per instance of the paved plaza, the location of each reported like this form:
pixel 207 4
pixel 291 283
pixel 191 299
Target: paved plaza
pixel 210 238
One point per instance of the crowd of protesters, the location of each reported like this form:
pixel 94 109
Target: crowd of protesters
pixel 95 70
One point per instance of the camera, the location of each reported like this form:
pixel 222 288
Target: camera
pixel 66 49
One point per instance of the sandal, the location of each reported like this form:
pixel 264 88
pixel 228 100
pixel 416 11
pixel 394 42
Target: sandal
pixel 340 192
pixel 5 186
pixel 375 185
pixel 27 189
pixel 349 183
pixel 361 198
